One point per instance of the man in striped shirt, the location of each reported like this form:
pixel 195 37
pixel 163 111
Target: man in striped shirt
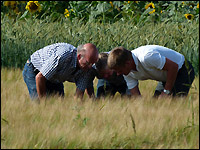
pixel 47 69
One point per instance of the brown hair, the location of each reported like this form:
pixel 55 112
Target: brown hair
pixel 118 56
pixel 102 62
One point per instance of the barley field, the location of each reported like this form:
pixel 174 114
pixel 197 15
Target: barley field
pixel 142 123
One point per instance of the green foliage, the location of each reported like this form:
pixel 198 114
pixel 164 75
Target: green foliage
pixel 104 11
pixel 107 24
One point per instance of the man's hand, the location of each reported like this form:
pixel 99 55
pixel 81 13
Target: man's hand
pixel 135 91
pixel 40 85
pixel 164 95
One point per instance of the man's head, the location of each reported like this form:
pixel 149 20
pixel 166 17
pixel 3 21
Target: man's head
pixel 102 67
pixel 87 55
pixel 119 60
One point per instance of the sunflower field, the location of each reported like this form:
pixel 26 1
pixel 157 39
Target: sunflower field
pixel 29 25
pixel 103 11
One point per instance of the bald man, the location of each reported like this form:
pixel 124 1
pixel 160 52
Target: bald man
pixel 47 69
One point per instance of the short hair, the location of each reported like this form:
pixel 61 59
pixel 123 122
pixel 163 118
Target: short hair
pixel 118 56
pixel 101 64
pixel 80 48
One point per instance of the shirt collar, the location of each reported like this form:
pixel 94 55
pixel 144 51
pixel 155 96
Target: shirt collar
pixel 135 60
pixel 75 58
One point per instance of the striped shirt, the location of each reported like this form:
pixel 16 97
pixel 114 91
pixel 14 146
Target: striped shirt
pixel 58 63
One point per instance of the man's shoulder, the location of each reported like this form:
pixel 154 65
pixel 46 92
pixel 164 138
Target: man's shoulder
pixel 65 45
pixel 92 71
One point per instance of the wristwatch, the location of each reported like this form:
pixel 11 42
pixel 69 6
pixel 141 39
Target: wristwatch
pixel 166 91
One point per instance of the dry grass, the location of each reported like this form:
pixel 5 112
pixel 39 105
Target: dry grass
pixel 68 123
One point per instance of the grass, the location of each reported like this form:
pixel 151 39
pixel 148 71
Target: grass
pixel 142 123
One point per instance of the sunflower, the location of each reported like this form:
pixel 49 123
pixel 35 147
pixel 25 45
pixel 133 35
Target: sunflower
pixel 66 13
pixel 151 12
pixel 111 3
pixel 33 6
pixel 189 16
pixel 11 4
pixel 151 5
pixel 198 5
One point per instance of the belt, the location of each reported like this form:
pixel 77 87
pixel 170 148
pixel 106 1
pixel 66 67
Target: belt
pixel 36 71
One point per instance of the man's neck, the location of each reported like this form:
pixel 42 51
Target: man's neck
pixel 133 65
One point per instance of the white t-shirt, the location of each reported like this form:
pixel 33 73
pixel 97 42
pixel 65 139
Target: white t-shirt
pixel 150 60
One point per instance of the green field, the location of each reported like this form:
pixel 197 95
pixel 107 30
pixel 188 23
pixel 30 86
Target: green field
pixel 142 123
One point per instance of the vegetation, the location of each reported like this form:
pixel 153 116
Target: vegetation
pixel 57 123
pixel 103 11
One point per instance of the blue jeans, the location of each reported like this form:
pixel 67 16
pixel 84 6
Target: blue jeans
pixel 29 74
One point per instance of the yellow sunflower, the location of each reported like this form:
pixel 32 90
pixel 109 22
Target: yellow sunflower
pixel 151 5
pixel 111 3
pixel 6 3
pixel 33 6
pixel 198 5
pixel 11 4
pixel 189 16
pixel 66 13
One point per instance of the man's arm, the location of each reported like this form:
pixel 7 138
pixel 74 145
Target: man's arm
pixel 172 71
pixel 79 93
pixel 90 92
pixel 135 91
pixel 40 85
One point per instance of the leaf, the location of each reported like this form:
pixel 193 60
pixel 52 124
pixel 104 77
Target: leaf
pixel 5 120
pixel 24 15
pixel 133 123
pixel 85 121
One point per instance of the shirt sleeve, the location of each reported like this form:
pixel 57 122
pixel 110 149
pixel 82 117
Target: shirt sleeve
pixel 81 84
pixel 155 60
pixel 130 81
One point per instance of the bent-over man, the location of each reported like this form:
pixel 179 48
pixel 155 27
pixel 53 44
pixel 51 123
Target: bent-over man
pixel 47 69
pixel 108 81
pixel 174 73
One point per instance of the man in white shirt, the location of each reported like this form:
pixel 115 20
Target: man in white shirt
pixel 170 68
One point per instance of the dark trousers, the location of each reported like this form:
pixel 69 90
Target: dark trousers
pixel 29 73
pixel 183 82
pixel 104 88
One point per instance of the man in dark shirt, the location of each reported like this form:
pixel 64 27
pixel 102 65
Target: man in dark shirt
pixel 108 81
